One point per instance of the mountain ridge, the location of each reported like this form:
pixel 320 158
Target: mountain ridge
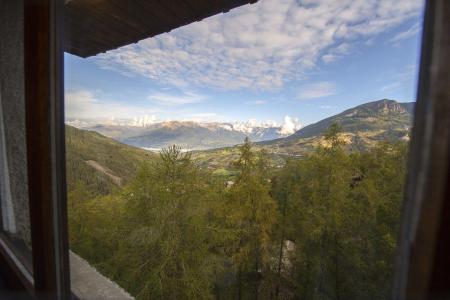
pixel 362 127
pixel 384 114
pixel 189 135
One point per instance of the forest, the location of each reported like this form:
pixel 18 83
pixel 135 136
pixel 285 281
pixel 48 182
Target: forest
pixel 323 226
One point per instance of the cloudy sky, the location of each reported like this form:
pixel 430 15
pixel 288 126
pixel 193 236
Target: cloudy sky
pixel 307 59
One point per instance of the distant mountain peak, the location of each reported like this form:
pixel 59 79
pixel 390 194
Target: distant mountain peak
pixel 376 120
pixel 385 106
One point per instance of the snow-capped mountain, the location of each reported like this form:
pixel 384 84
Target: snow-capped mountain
pixel 147 132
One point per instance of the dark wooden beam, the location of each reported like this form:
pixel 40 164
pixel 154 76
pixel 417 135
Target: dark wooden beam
pixel 44 94
pixel 94 27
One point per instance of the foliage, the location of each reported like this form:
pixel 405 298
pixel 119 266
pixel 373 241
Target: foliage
pixel 321 227
pixel 343 217
pixel 251 212
pixel 83 146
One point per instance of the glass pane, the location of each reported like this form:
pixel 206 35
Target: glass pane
pixel 13 168
pixel 259 153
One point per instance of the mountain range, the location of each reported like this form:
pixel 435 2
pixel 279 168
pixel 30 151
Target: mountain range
pixel 362 127
pixel 101 163
pixel 191 135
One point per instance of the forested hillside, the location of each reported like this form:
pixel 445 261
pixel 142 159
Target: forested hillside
pixel 97 164
pixel 323 226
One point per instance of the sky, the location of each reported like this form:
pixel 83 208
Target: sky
pixel 301 59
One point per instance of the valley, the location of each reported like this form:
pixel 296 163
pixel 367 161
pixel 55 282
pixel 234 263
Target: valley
pixel 188 135
pixel 362 127
pixel 95 149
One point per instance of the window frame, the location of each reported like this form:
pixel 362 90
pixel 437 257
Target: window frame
pixel 44 102
pixel 44 115
pixel 423 263
pixel 422 248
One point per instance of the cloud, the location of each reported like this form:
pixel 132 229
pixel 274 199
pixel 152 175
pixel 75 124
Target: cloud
pixel 260 46
pixel 78 103
pixel 317 90
pixel 327 58
pixel 398 78
pixel 289 126
pixel 257 102
pixel 391 86
pixel 84 104
pixel 410 32
pixel 336 53
pixel 181 99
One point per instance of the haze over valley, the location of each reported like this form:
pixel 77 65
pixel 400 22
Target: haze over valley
pixel 189 135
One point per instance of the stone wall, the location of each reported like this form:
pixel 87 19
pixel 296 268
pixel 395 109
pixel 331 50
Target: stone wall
pixel 12 90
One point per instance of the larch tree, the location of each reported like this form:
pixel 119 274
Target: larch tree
pixel 253 214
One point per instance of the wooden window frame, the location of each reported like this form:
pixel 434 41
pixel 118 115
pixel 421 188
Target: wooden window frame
pixel 44 107
pixel 44 114
pixel 422 270
pixel 423 265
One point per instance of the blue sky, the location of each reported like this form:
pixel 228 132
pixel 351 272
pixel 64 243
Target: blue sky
pixel 304 59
